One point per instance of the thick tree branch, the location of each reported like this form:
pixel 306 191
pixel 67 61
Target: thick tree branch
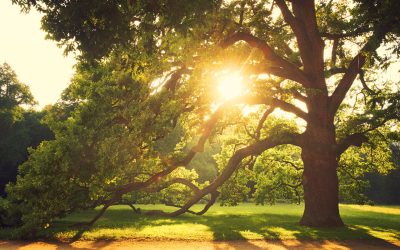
pixel 290 19
pixel 253 149
pixel 171 83
pixel 356 139
pixel 287 107
pixel 273 70
pixel 261 122
pixel 345 83
pixel 199 147
pixel 357 32
pixel 304 25
pixel 297 95
pixel 335 70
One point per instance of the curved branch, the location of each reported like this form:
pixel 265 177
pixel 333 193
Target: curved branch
pixel 253 149
pixel 345 83
pixel 213 199
pixel 264 117
pixel 171 83
pixel 356 139
pixel 292 164
pixel 287 107
pixel 199 147
pixel 100 213
pixel 240 154
pixel 364 83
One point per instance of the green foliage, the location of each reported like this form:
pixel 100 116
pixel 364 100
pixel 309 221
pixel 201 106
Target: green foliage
pixel 97 27
pixel 27 131
pixel 19 128
pixel 105 136
pixel 12 92
pixel 126 112
pixel 278 175
pixel 270 177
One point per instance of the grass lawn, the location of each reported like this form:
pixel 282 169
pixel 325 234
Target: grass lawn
pixel 246 221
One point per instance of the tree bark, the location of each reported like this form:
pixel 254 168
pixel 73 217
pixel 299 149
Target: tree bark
pixel 320 180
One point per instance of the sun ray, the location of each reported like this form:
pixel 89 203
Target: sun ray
pixel 231 86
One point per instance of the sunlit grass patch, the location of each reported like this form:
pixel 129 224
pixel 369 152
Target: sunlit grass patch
pixel 378 209
pixel 243 222
pixel 380 233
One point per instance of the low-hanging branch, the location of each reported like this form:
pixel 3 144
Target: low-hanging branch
pixel 251 150
pixel 207 129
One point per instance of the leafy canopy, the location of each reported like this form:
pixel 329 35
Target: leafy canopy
pixel 150 67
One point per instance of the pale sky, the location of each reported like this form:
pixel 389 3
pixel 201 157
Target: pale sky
pixel 38 62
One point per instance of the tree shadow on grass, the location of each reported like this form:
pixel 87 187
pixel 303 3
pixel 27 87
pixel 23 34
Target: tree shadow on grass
pixel 228 227
pixel 272 227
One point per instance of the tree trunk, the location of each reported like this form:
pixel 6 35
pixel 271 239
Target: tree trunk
pixel 320 180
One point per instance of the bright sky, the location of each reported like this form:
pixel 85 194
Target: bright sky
pixel 38 63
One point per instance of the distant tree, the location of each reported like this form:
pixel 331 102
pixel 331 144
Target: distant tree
pixel 26 132
pixel 384 189
pixel 13 93
pixel 20 128
pixel 287 52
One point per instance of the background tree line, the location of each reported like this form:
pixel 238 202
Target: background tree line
pixel 20 125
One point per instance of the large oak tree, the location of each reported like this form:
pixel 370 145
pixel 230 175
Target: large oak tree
pixel 289 52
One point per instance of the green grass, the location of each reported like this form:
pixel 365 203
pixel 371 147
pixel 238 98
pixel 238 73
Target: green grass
pixel 246 221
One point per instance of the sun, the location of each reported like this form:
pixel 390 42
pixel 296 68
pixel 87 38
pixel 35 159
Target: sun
pixel 231 86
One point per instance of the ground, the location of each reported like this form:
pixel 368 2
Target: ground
pixel 203 245
pixel 246 226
